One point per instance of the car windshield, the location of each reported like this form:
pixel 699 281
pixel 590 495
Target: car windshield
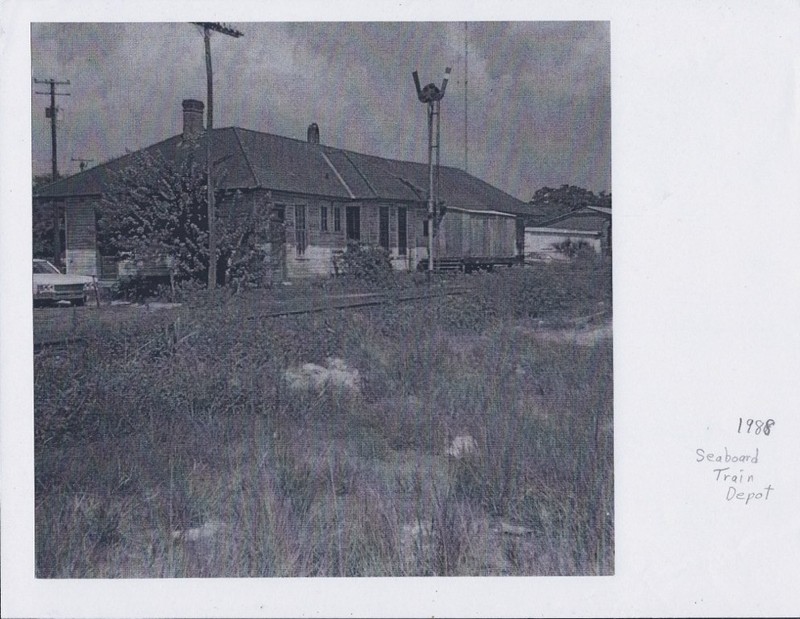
pixel 42 266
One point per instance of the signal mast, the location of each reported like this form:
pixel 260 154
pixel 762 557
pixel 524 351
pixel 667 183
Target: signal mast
pixel 432 95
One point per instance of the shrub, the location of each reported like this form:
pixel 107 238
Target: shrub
pixel 140 288
pixel 368 263
pixel 559 291
pixel 572 248
pixel 248 269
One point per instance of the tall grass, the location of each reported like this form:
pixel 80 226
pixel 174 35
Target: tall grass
pixel 178 450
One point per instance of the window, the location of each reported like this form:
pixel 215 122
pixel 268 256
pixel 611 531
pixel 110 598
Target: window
pixel 337 219
pixel 300 228
pixel 424 227
pixel 353 223
pixel 402 230
pixel 383 227
pixel 323 218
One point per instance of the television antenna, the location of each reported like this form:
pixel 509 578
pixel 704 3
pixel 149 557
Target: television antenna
pixel 82 163
pixel 432 95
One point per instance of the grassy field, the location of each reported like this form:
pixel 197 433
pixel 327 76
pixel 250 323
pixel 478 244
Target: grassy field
pixel 173 445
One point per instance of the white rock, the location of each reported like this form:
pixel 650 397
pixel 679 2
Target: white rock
pixel 462 446
pixel 411 531
pixel 311 376
pixel 195 534
pixel 415 538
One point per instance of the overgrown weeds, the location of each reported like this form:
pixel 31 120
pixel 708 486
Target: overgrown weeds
pixel 178 448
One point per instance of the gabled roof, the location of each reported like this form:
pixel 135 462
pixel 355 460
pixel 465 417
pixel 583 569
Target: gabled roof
pixel 539 214
pixel 251 159
pixel 94 180
pixel 585 219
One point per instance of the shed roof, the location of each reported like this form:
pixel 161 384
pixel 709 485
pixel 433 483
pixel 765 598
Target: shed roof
pixel 252 159
pixel 585 219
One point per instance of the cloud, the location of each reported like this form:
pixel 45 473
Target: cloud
pixel 539 97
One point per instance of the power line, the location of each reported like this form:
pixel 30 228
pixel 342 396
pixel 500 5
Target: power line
pixel 51 113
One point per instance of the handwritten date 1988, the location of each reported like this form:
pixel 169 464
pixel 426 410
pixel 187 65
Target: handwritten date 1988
pixel 755 426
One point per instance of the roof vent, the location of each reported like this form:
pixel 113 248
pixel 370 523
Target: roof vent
pixel 313 133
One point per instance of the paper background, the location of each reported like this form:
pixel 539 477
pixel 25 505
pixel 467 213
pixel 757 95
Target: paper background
pixel 706 186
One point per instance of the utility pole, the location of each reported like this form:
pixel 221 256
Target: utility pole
pixel 466 82
pixel 208 27
pixel 51 112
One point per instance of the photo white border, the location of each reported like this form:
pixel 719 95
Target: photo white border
pixel 706 179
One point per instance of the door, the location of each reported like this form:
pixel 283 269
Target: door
pixel 383 227
pixel 402 230
pixel 353 223
pixel 277 240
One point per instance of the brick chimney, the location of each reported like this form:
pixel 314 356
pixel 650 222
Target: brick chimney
pixel 192 118
pixel 313 133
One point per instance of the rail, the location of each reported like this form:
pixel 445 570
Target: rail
pixel 333 303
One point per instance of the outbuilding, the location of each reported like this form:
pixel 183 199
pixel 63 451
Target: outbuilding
pixel 550 240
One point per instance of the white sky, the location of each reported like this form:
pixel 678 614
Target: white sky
pixel 539 110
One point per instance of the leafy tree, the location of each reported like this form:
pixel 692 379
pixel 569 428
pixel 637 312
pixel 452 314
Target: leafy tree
pixel 155 210
pixel 548 203
pixel 43 231
pixel 42 223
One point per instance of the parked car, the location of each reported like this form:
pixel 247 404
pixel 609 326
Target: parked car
pixel 51 285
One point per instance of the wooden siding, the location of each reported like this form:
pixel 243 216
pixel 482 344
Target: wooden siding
pixel 329 238
pixel 82 262
pixel 317 258
pixel 322 246
pixel 463 234
pixel 476 235
pixel 81 237
pixel 81 224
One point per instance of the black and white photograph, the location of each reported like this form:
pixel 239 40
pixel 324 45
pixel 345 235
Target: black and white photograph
pixel 399 361
pixel 399 309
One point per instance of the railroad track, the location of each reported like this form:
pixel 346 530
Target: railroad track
pixel 362 301
pixel 66 342
pixel 332 303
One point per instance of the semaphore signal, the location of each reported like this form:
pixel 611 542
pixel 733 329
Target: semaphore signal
pixel 432 95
